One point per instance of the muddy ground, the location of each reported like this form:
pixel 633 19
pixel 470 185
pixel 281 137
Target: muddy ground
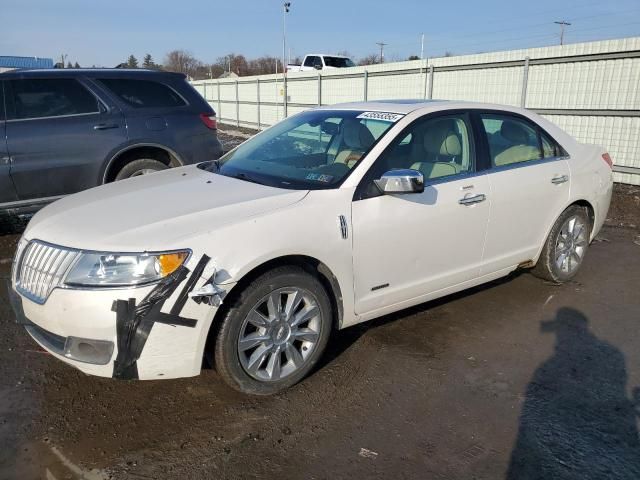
pixel 519 379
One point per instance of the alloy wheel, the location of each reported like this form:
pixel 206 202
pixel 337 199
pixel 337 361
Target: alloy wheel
pixel 279 334
pixel 571 244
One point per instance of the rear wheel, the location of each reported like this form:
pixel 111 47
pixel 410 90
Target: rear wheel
pixel 566 246
pixel 142 166
pixel 274 332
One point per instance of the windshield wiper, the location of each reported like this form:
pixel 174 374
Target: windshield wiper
pixel 246 178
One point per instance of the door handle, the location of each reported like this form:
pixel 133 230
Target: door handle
pixel 473 199
pixel 105 126
pixel 560 179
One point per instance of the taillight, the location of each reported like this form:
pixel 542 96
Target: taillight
pixel 209 121
pixel 607 158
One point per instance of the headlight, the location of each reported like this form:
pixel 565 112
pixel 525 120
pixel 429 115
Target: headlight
pixel 114 269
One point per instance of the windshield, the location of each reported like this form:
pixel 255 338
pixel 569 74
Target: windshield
pixel 313 150
pixel 338 62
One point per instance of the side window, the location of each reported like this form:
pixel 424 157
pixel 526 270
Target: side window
pixel 309 61
pixel 143 93
pixel 511 140
pixel 51 97
pixel 438 147
pixel 317 63
pixel 2 117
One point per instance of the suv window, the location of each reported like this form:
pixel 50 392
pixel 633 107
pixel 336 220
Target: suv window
pixel 338 62
pixel 310 60
pixel 511 140
pixel 51 97
pixel 438 147
pixel 143 93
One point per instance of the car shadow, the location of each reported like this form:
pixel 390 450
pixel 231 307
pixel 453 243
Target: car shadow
pixel 341 340
pixel 576 421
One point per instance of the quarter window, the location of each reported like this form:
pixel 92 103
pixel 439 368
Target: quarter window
pixel 51 97
pixel 511 140
pixel 143 93
pixel 550 148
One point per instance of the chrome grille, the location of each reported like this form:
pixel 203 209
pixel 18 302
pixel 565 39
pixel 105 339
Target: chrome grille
pixel 41 269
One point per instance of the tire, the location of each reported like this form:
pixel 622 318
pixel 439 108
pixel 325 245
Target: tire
pixel 141 166
pixel 565 247
pixel 251 318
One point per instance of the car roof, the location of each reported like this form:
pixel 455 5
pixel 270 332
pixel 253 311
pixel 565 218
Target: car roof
pixel 405 106
pixel 88 72
pixel 325 55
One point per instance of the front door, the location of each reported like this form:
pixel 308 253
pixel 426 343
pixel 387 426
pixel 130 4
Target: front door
pixel 58 136
pixel 411 245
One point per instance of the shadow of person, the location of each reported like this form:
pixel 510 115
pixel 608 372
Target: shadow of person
pixel 577 422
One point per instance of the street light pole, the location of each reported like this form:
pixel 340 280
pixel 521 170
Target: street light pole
pixel 285 10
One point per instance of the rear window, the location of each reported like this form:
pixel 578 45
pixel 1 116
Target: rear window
pixel 143 93
pixel 338 62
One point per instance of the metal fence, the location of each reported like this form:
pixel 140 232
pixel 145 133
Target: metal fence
pixel 591 90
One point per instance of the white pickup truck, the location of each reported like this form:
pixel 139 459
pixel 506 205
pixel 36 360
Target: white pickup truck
pixel 321 61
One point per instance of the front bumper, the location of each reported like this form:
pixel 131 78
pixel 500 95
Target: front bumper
pixel 80 328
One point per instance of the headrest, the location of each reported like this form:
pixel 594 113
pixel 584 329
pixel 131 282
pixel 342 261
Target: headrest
pixel 441 139
pixel 514 132
pixel 356 135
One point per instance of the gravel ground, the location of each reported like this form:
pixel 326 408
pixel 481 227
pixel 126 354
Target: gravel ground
pixel 518 379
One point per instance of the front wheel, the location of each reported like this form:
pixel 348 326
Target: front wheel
pixel 565 247
pixel 274 332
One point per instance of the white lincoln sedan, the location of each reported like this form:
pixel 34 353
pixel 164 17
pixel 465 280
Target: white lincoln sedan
pixel 331 217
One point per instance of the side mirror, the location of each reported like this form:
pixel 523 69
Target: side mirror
pixel 401 181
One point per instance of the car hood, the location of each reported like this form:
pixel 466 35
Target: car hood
pixel 154 212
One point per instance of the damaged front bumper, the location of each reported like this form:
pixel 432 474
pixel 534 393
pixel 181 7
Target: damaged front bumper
pixel 150 332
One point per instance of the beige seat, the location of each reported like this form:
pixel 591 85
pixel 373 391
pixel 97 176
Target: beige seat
pixel 521 151
pixel 356 140
pixel 440 141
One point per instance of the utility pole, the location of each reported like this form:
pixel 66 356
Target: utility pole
pixel 562 24
pixel 285 10
pixel 422 47
pixel 381 45
pixel 63 57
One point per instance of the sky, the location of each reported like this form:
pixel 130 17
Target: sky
pixel 101 33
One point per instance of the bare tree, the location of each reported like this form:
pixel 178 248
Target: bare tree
pixel 371 59
pixel 183 62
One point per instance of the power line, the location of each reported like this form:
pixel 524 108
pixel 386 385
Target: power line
pixel 562 23
pixel 381 45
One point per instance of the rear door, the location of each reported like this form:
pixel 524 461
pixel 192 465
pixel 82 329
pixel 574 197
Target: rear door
pixel 59 134
pixel 529 178
pixel 7 192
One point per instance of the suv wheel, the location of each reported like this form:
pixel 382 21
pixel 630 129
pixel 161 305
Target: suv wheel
pixel 566 246
pixel 142 166
pixel 274 332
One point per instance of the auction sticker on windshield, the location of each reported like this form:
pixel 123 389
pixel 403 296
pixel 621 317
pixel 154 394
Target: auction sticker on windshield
pixel 384 116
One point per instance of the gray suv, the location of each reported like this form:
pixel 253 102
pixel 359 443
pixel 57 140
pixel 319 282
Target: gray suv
pixel 63 131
